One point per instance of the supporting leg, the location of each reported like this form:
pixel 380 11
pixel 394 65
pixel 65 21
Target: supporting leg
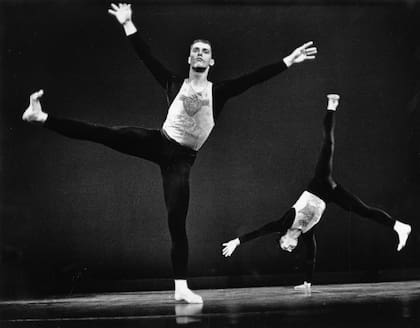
pixel 176 191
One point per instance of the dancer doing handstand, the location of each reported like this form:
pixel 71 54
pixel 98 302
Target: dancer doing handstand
pixel 300 219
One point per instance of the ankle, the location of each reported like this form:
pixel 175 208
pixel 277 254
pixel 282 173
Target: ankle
pixel 398 226
pixel 181 285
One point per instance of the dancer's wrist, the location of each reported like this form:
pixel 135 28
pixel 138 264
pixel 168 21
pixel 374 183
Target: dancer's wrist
pixel 288 61
pixel 129 27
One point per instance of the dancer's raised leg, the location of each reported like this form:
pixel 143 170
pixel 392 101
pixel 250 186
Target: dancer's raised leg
pixel 135 141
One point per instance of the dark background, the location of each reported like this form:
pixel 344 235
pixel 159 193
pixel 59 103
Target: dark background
pixel 73 210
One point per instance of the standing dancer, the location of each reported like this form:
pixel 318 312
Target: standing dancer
pixel 301 218
pixel 194 104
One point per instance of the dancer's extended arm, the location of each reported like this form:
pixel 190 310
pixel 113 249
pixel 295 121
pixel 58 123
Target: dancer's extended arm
pixel 233 87
pixel 230 246
pixel 279 226
pixel 123 13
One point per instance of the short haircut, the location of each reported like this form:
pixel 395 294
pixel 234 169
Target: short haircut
pixel 203 41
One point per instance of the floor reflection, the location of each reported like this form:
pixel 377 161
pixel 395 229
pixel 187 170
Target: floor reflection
pixel 383 305
pixel 188 313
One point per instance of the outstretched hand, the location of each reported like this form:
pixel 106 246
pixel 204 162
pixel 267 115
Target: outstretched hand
pixel 230 246
pixel 122 12
pixel 300 54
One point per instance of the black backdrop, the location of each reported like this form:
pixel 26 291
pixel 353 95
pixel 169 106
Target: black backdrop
pixel 67 205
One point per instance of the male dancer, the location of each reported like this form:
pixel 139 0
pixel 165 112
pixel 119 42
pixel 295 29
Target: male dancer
pixel 301 218
pixel 194 104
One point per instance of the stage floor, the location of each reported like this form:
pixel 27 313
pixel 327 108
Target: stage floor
pixel 391 304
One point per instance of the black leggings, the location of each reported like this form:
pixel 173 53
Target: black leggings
pixel 175 163
pixel 324 186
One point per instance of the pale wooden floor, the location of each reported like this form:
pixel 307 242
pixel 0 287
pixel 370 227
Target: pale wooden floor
pixel 392 304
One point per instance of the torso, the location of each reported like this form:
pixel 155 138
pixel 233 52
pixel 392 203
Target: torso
pixel 190 116
pixel 309 209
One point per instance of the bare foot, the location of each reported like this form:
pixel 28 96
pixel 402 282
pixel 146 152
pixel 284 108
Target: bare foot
pixel 34 111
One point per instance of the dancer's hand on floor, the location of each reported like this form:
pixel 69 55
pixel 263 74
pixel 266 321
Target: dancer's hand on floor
pixel 229 247
pixel 305 287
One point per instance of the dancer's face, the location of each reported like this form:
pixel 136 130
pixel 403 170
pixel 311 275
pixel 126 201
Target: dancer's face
pixel 289 241
pixel 200 56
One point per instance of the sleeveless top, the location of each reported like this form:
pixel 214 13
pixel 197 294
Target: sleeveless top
pixel 309 209
pixel 190 116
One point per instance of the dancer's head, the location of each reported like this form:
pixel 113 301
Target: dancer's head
pixel 200 58
pixel 288 236
pixel 289 240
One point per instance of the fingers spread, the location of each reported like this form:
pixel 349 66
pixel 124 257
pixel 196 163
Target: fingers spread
pixel 311 51
pixel 307 44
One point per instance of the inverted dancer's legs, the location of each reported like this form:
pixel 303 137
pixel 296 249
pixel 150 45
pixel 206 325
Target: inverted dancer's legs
pixel 336 193
pixel 323 183
pixel 324 166
pixel 352 203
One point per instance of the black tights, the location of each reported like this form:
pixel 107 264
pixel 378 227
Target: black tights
pixel 175 163
pixel 324 186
